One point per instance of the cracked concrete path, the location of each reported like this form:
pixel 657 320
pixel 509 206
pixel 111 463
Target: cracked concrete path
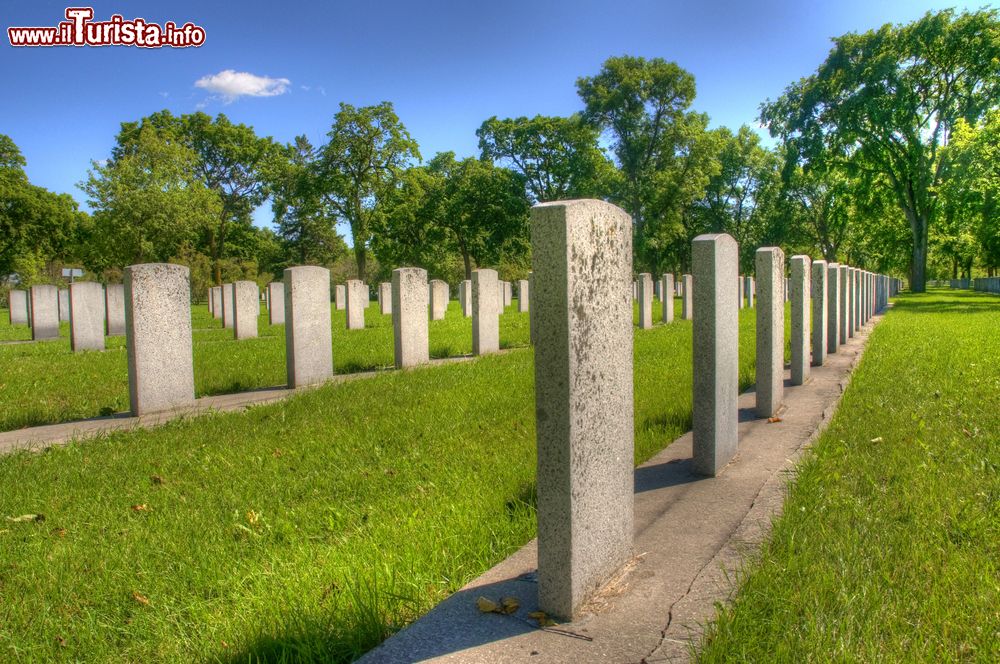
pixel 692 535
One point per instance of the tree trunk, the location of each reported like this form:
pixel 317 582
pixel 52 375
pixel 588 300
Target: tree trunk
pixel 361 256
pixel 468 262
pixel 918 266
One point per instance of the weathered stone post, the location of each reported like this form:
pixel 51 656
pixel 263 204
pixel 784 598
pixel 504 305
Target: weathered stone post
pixel 715 263
pixel 858 281
pixel 357 302
pixel 439 299
pixel 687 298
pixel 114 309
pixel 340 297
pixel 158 337
pixel 276 308
pixel 86 316
pixel 409 316
pixel 582 260
pixel 308 337
pixel 645 282
pixel 216 298
pixel 523 296
pixel 385 298
pixel 211 301
pixel 750 289
pixel 228 306
pixel 465 296
pixel 63 305
pixel 770 268
pixel 833 308
pixel 852 316
pixel 798 292
pixel 44 312
pixel 508 295
pixel 667 289
pixel 820 311
pixel 487 296
pixel 740 280
pixel 246 309
pixel 18 307
pixel 531 315
pixel 845 300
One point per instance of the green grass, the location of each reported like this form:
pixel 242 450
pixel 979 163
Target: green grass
pixel 889 546
pixel 46 382
pixel 302 531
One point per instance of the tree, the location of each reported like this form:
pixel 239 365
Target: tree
pixel 559 158
pixel 470 207
pixel 888 101
pixel 148 202
pixel 740 199
pixel 973 189
pixel 36 225
pixel 360 165
pixel 306 230
pixel 232 161
pixel 661 149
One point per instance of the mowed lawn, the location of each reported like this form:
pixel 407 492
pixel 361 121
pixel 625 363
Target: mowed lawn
pixel 302 531
pixel 889 546
pixel 45 382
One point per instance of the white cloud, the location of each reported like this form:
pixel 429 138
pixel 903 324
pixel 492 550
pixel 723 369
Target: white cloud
pixel 232 85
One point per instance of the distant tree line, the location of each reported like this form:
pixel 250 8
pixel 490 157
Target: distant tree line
pixel 885 157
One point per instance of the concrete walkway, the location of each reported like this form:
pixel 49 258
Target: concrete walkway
pixel 40 437
pixel 691 536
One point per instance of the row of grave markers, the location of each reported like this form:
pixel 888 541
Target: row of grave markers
pixel 581 325
pixel 236 304
pixel 159 335
pixel 986 285
pixel 92 309
pixel 582 259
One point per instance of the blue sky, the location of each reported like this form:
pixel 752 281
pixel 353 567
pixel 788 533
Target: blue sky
pixel 446 66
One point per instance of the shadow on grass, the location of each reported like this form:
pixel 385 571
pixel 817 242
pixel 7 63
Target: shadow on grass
pixel 919 306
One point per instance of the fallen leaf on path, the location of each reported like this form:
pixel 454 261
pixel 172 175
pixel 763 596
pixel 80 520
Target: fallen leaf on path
pixel 772 420
pixel 487 605
pixel 510 604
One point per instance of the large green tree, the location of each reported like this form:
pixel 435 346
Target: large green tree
pixel 148 202
pixel 467 207
pixel 360 165
pixel 663 152
pixel 559 158
pixel 972 192
pixel 36 225
pixel 888 101
pixel 233 161
pixel 305 227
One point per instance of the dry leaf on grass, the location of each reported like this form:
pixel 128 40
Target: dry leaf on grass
pixel 142 599
pixel 25 518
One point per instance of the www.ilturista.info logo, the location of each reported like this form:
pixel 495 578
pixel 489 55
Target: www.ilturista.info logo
pixel 81 30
